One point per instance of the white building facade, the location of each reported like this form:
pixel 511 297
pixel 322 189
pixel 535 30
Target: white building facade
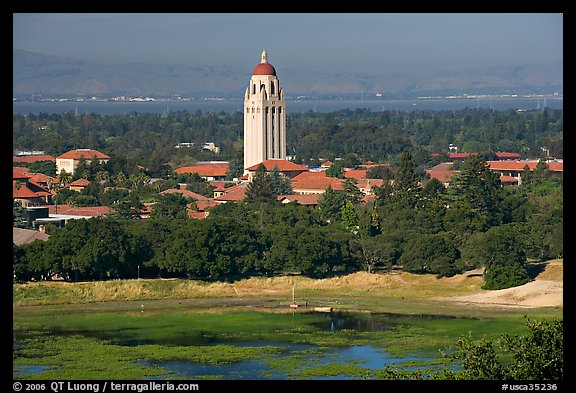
pixel 264 116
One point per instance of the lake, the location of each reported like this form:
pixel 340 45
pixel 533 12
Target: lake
pixel 375 105
pixel 226 345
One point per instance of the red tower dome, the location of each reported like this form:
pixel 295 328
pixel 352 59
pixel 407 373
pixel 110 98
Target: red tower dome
pixel 264 68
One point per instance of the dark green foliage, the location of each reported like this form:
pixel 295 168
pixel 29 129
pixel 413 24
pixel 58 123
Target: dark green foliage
pixel 170 206
pixel 330 204
pixel 335 170
pixel 430 254
pixel 478 189
pixel 18 219
pixel 260 190
pixel 537 356
pixel 505 276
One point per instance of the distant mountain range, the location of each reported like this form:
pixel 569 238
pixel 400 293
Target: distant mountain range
pixel 40 74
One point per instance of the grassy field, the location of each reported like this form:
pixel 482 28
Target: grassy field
pixel 392 285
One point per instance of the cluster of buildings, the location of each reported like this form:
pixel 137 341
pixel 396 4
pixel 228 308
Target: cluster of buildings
pixel 264 143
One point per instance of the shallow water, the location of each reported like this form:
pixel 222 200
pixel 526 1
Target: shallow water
pixel 286 332
pixel 365 356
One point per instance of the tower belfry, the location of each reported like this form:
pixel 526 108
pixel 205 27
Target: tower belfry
pixel 264 116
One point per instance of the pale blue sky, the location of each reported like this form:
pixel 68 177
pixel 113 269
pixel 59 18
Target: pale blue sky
pixel 339 42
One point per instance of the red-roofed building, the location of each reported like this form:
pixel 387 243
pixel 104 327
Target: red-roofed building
pixel 42 180
pixel 367 185
pixel 355 173
pixel 459 156
pixel 315 183
pixel 185 193
pixel 287 168
pixel 81 211
pixel 209 171
pixel 27 192
pixel 20 173
pixel 70 160
pixel 514 169
pixel 306 200
pixel 78 185
pixel 30 158
pixel 220 188
pixel 442 172
pixel 502 155
pixel 235 193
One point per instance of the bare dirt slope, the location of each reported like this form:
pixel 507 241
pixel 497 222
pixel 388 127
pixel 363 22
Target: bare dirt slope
pixel 545 291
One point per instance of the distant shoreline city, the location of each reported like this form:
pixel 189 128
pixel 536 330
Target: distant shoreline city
pixel 126 104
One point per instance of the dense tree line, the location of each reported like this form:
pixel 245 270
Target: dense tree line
pixel 414 224
pixel 149 140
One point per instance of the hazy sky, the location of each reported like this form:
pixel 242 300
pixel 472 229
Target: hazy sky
pixel 336 42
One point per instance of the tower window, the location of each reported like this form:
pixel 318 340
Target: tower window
pixel 272 87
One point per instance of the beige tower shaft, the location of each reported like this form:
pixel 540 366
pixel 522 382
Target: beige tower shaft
pixel 264 116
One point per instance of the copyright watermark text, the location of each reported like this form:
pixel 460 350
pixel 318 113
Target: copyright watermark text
pixel 104 386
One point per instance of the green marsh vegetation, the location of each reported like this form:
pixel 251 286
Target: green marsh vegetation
pixel 123 340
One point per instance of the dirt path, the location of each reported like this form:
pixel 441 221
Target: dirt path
pixel 545 291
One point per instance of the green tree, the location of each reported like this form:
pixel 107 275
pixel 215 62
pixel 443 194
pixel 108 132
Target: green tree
pixel 335 170
pixel 406 181
pixel 170 205
pixel 431 254
pixel 280 184
pixel 374 252
pixel 18 220
pixel 349 218
pixel 64 177
pixel 330 204
pixel 536 356
pixel 478 188
pixel 259 191
pixel 501 250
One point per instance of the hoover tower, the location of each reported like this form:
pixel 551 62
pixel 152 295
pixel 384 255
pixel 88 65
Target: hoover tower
pixel 264 116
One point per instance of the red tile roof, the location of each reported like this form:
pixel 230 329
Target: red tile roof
pixel 507 155
pixel 442 172
pixel 185 193
pixel 368 184
pixel 86 153
pixel 41 178
pixel 33 158
pixel 282 165
pixel 20 173
pixel 79 183
pixel 22 236
pixel 197 215
pixel 315 181
pixel 309 199
pixel 518 165
pixel 203 205
pixel 23 191
pixel 236 193
pixel 79 211
pixel 456 156
pixel 355 173
pixel 208 170
pixel 556 166
pixel 508 179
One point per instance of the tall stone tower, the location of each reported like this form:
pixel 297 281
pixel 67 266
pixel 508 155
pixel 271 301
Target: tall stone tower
pixel 264 116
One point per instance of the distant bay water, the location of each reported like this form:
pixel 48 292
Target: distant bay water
pixel 230 106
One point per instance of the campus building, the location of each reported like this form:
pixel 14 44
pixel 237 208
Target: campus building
pixel 264 116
